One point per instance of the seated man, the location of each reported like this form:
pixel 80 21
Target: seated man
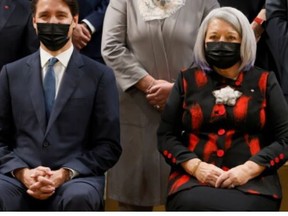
pixel 57 139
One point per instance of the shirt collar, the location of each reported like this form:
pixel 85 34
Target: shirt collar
pixel 63 57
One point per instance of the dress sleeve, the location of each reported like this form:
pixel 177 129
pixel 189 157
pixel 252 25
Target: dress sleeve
pixel 275 155
pixel 171 134
pixel 115 51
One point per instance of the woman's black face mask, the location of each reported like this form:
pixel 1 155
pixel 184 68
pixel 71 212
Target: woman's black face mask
pixel 222 55
pixel 53 36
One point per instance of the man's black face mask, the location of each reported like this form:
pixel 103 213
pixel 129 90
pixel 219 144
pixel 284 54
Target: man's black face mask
pixel 53 36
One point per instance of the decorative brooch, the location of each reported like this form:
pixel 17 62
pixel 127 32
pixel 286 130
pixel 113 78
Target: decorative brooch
pixel 226 96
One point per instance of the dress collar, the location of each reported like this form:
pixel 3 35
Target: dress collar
pixel 159 9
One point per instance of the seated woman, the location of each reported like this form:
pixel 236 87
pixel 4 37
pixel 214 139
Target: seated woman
pixel 224 130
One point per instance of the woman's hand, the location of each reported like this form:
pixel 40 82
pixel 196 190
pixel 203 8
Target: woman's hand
pixel 239 175
pixel 208 173
pixel 158 93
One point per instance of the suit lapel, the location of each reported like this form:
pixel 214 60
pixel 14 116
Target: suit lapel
pixel 36 89
pixel 6 9
pixel 69 83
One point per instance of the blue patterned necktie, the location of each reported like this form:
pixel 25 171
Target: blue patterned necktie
pixel 50 86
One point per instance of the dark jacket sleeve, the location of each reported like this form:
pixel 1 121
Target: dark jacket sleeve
pixel 277 29
pixel 170 132
pixel 275 155
pixel 96 16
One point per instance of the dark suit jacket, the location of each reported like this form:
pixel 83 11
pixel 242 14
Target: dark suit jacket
pixel 17 35
pixel 94 12
pixel 255 128
pixel 277 29
pixel 83 130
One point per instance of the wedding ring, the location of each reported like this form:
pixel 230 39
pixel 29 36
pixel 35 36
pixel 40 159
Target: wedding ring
pixel 232 185
pixel 157 107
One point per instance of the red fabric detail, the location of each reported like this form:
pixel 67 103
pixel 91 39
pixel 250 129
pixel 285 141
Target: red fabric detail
pixel 228 139
pixel 221 131
pixel 196 116
pixel 169 155
pixel 165 153
pixel 240 108
pixel 277 160
pixel 272 163
pixel 200 78
pixel 262 114
pixel 225 168
pixel 173 175
pixel 254 146
pixel 184 83
pixel 239 79
pixel 210 147
pixel 281 156
pixel 218 111
pixel 220 153
pixel 253 192
pixel 174 160
pixel 193 141
pixel 275 196
pixel 263 82
pixel 179 182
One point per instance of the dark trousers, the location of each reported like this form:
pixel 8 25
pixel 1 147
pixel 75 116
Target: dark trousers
pixel 204 198
pixel 74 195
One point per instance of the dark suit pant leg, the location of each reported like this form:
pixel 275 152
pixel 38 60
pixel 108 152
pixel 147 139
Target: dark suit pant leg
pixel 204 198
pixel 13 196
pixel 77 195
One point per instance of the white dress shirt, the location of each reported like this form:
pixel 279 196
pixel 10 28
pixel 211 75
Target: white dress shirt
pixel 59 67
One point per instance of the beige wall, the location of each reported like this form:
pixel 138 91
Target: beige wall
pixel 283 173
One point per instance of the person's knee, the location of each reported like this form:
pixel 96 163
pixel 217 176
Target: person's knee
pixel 81 200
pixel 12 198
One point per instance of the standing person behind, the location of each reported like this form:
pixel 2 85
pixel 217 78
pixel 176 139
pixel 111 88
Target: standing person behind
pixel 17 35
pixel 56 139
pixel 256 14
pixel 224 130
pixel 277 28
pixel 88 32
pixel 146 43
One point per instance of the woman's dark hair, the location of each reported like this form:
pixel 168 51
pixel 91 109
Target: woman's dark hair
pixel 72 4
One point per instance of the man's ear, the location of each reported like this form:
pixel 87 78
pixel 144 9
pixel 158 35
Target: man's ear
pixel 34 24
pixel 75 21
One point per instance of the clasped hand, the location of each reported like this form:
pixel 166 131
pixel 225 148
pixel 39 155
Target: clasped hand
pixel 214 176
pixel 158 93
pixel 41 182
pixel 81 36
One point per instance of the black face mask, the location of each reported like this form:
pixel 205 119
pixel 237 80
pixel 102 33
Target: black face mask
pixel 222 55
pixel 53 36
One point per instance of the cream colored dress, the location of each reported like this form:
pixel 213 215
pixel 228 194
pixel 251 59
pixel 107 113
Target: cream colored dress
pixel 135 44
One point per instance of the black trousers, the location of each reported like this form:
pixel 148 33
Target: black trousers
pixel 205 198
pixel 74 195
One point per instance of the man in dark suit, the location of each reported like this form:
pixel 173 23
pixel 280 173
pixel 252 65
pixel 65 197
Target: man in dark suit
pixel 277 29
pixel 57 139
pixel 17 35
pixel 88 33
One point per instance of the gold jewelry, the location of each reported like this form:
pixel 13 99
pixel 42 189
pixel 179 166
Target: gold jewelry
pixel 195 167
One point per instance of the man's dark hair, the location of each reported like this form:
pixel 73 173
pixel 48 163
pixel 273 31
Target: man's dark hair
pixel 72 4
